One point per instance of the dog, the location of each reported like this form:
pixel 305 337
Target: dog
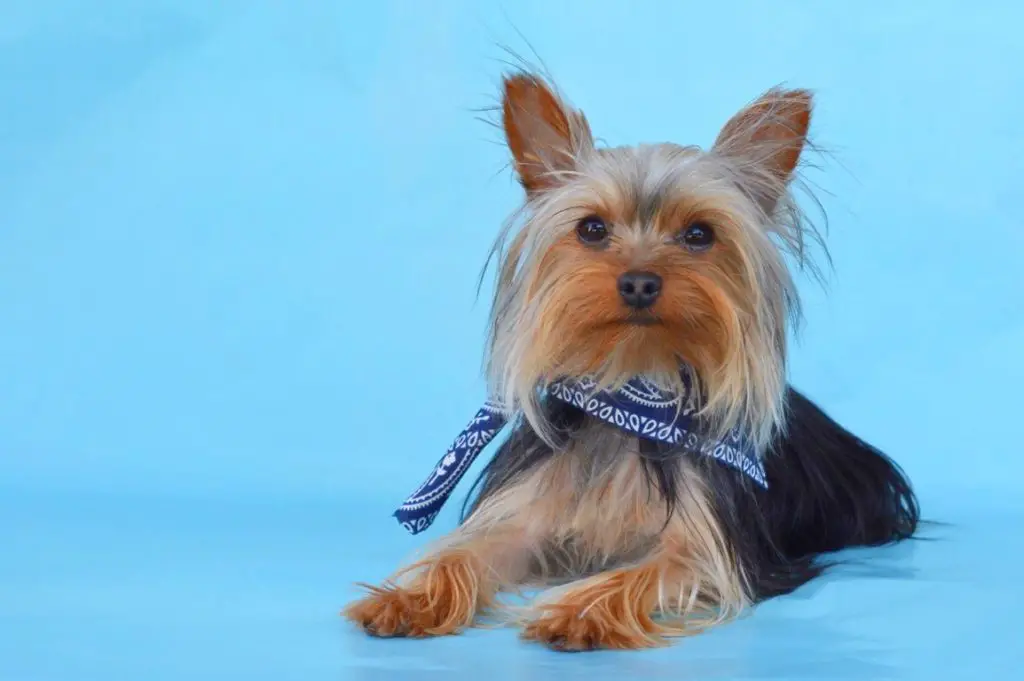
pixel 662 476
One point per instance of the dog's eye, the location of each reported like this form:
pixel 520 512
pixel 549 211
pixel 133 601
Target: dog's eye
pixel 697 237
pixel 592 230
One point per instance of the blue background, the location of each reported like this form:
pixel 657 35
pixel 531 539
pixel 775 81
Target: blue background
pixel 239 244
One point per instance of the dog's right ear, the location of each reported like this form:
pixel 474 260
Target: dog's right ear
pixel 545 137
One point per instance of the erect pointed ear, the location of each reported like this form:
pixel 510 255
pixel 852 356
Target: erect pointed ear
pixel 545 137
pixel 768 137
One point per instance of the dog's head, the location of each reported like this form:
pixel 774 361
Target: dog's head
pixel 634 260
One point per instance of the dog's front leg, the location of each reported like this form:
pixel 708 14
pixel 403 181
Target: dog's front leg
pixel 688 582
pixel 458 579
pixel 613 609
pixel 440 594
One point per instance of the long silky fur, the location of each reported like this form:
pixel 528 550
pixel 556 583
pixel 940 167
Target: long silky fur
pixel 621 527
pixel 829 491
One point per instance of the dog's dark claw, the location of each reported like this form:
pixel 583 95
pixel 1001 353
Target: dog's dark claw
pixel 371 630
pixel 561 644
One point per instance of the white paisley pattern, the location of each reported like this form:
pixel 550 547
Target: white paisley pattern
pixel 656 416
pixel 421 508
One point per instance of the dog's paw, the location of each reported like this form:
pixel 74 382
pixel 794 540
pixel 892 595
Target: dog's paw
pixel 609 611
pixel 392 611
pixel 568 627
pixel 443 599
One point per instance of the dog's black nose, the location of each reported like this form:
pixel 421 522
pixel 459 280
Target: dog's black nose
pixel 639 289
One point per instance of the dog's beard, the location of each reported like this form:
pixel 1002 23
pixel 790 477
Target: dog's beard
pixel 575 325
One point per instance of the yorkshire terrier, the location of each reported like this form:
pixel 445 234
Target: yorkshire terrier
pixel 661 475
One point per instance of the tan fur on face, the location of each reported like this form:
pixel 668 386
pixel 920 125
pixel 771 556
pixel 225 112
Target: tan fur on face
pixel 557 310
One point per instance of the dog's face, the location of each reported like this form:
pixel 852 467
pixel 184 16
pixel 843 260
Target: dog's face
pixel 632 260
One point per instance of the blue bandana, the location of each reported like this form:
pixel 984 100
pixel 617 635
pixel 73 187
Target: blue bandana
pixel 639 408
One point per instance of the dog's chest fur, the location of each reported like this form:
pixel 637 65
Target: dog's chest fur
pixel 592 504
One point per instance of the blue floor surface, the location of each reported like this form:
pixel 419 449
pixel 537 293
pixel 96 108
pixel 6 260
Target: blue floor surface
pixel 118 587
pixel 204 425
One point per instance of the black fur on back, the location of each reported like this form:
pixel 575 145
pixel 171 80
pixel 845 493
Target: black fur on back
pixel 829 490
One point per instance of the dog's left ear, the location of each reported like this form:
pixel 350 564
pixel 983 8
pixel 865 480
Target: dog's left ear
pixel 768 137
pixel 545 136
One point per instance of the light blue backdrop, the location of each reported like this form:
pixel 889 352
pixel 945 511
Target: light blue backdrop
pixel 206 416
